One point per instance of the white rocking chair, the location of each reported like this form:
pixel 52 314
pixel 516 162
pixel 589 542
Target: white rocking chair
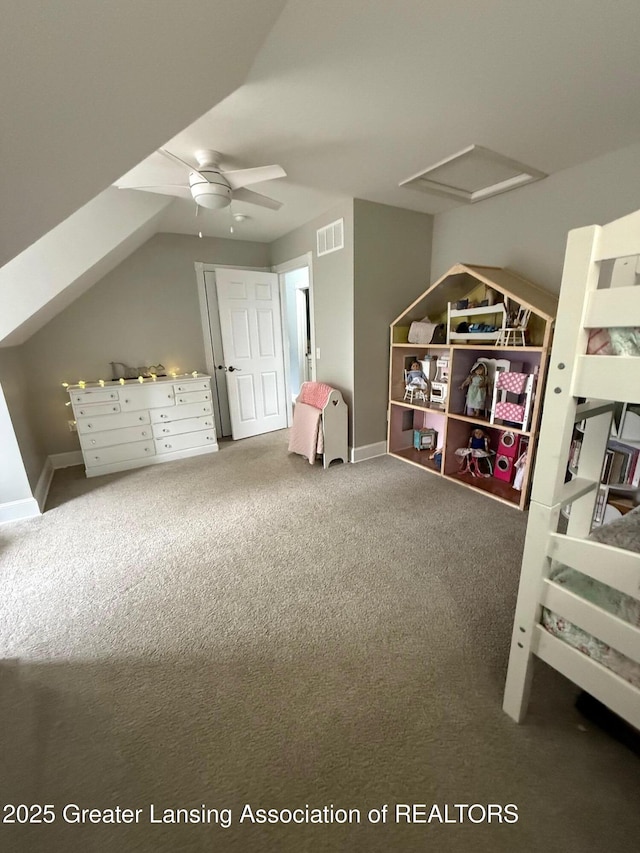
pixel 412 392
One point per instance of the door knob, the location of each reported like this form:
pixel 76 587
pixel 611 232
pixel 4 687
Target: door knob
pixel 232 368
pixel 221 367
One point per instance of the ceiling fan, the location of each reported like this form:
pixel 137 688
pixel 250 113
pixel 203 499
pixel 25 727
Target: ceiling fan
pixel 214 188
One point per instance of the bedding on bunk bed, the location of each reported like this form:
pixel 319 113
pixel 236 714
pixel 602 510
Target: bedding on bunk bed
pixel 622 533
pixel 614 341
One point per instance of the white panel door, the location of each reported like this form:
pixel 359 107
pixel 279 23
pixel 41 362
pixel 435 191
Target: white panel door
pixel 249 307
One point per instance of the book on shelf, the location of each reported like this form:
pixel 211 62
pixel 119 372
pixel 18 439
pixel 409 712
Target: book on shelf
pixel 625 470
pixel 606 467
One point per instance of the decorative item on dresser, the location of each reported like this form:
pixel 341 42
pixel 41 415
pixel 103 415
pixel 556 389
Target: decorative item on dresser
pixel 143 422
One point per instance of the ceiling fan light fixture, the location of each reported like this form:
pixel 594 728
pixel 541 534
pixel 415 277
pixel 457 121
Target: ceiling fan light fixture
pixel 211 196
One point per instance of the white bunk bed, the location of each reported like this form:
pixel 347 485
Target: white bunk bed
pixel 587 302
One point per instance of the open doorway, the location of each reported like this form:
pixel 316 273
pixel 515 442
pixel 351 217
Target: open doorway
pixel 296 299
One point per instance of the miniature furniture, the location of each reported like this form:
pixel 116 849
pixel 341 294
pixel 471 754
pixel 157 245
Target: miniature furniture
pixel 130 424
pixel 509 334
pixel 425 439
pixel 467 285
pixel 518 385
pixel 493 366
pixel 470 461
pixel 414 392
pixel 320 419
pixel 578 606
pixel 496 315
pixel 440 383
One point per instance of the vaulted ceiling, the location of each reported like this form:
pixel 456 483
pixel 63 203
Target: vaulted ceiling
pixel 350 98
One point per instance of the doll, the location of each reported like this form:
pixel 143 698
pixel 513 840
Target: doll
pixel 416 377
pixel 477 448
pixel 436 457
pixel 476 381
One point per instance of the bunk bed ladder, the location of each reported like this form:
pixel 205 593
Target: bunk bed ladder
pixel 550 493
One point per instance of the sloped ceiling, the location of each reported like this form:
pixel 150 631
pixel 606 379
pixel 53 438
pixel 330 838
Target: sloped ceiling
pixel 73 256
pixel 352 98
pixel 90 89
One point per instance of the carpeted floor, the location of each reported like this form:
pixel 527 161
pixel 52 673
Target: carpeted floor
pixel 245 628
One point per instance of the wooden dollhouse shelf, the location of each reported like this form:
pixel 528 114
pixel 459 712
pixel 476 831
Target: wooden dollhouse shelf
pixel 494 488
pixel 484 424
pixel 432 407
pixel 417 457
pixel 453 430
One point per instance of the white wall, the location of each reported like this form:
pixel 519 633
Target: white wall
pixel 526 229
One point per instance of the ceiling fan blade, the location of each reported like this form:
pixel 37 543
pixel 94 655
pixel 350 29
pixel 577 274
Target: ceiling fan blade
pixel 158 187
pixel 256 198
pixel 184 163
pixel 243 177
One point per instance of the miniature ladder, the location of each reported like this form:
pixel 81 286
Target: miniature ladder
pixel 572 374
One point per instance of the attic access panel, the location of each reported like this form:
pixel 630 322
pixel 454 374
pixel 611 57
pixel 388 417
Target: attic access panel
pixel 473 174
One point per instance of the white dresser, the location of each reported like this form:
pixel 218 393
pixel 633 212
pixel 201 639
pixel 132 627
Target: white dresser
pixel 133 424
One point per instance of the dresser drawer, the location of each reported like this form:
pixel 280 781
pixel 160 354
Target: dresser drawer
pixel 119 453
pixel 109 437
pixel 146 397
pixel 192 385
pixel 88 426
pixel 162 430
pixel 175 413
pixel 192 397
pixel 84 410
pixel 87 398
pixel 183 442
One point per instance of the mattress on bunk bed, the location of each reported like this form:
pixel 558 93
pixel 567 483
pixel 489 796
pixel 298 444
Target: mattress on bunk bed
pixel 622 533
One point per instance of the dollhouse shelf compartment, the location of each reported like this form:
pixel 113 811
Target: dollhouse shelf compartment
pixel 482 424
pixel 450 419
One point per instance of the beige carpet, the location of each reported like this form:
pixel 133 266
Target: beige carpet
pixel 248 629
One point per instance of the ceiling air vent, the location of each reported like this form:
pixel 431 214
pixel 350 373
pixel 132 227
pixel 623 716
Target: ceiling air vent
pixel 473 174
pixel 331 237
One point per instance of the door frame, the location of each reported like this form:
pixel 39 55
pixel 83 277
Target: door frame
pixel 212 339
pixel 301 261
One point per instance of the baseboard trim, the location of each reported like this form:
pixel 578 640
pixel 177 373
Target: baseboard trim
pixel 19 510
pixel 44 483
pixel 66 460
pixel 368 451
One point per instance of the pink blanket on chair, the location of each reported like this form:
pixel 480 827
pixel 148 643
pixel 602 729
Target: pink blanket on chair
pixel 306 437
pixel 315 394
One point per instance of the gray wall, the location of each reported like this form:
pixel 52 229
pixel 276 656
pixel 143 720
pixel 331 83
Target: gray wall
pixel 22 455
pixel 392 259
pixel 526 229
pixel 144 312
pixel 332 295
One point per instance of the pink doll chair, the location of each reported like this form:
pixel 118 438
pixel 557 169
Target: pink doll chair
pixel 512 398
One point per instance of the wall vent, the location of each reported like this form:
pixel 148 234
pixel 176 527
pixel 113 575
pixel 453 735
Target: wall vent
pixel 473 174
pixel 331 237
